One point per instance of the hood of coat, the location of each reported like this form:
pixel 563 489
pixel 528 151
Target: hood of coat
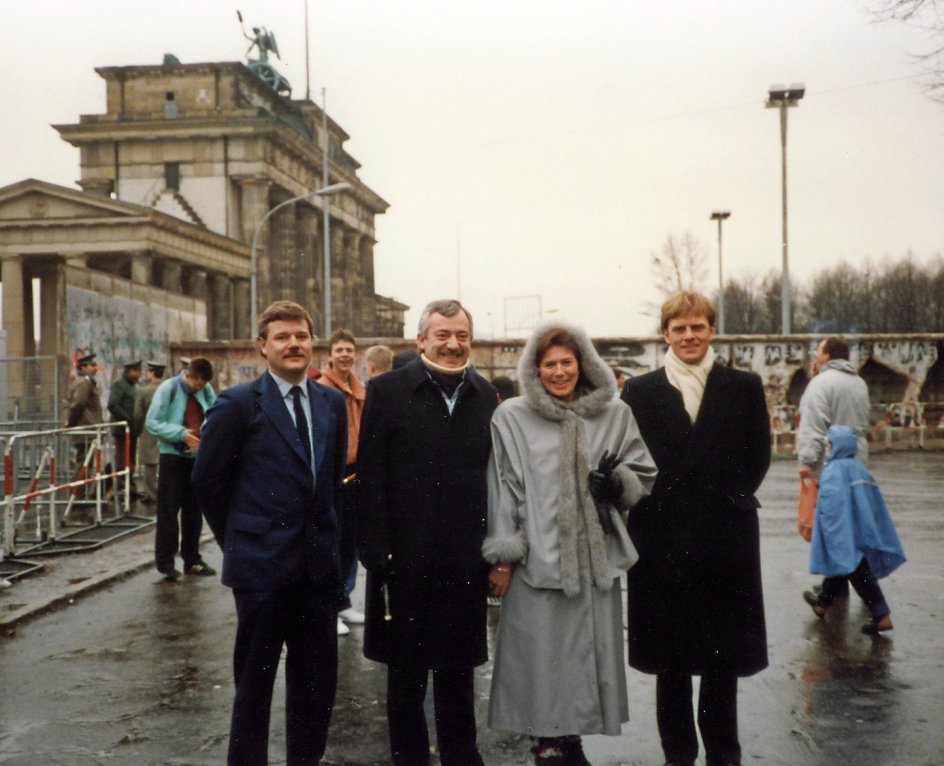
pixel 589 401
pixel 840 365
pixel 844 442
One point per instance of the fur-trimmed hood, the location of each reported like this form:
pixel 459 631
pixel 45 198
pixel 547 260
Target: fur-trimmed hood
pixel 590 400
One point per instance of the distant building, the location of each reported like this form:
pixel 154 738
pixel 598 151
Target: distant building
pixel 176 176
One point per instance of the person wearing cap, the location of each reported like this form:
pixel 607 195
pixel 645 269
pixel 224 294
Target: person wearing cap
pixel 84 402
pixel 148 451
pixel 175 417
pixel 121 398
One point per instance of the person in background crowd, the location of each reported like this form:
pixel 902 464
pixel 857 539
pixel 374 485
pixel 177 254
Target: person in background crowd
pixel 567 462
pixel 424 445
pixel 695 598
pixel 175 418
pixel 836 395
pixel 148 451
pixel 403 359
pixel 620 374
pixel 853 534
pixel 84 403
pixel 505 387
pixel 379 359
pixel 121 399
pixel 342 351
pixel 271 459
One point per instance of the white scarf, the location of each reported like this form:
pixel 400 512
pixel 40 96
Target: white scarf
pixel 689 379
pixel 445 370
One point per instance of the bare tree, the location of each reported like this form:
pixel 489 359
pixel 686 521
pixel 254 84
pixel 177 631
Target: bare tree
pixel 744 310
pixel 681 264
pixel 929 16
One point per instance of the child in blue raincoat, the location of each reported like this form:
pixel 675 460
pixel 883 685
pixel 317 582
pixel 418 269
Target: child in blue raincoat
pixel 853 534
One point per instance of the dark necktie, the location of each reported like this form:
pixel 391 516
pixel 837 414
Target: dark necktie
pixel 301 422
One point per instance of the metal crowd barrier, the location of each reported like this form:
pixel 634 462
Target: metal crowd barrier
pixel 61 478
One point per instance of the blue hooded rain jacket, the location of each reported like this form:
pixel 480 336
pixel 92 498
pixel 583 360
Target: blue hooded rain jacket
pixel 851 519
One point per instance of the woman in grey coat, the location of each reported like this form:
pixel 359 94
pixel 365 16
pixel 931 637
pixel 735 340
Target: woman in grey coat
pixel 567 462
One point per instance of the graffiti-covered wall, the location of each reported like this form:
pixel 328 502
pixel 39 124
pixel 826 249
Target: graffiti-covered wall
pixel 121 321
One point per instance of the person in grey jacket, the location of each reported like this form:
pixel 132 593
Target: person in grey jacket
pixel 567 460
pixel 836 396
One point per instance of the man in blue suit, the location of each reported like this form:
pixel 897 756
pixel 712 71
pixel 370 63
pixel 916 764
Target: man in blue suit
pixel 271 455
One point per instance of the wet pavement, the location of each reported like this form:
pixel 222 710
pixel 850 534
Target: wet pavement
pixel 132 670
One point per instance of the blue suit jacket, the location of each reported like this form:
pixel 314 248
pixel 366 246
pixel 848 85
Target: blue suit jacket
pixel 275 525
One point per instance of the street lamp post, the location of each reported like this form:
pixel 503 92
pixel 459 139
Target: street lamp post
pixel 783 97
pixel 253 262
pixel 719 216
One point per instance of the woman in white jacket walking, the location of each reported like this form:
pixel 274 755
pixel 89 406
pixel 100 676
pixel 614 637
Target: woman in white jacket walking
pixel 567 462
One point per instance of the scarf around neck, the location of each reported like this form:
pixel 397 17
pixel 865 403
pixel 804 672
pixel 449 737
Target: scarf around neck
pixel 689 379
pixel 575 500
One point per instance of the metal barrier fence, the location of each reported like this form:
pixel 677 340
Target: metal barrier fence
pixel 30 399
pixel 53 477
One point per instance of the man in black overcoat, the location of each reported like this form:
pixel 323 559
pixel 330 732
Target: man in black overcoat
pixel 695 601
pixel 423 449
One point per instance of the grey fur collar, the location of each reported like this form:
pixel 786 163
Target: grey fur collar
pixel 594 368
pixel 575 505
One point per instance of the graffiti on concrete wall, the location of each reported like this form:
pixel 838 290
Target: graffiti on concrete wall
pixel 119 329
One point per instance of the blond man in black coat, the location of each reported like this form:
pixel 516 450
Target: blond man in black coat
pixel 422 453
pixel 694 598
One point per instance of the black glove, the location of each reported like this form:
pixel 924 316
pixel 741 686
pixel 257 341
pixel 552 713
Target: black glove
pixel 605 489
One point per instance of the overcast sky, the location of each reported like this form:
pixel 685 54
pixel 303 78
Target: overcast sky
pixel 547 147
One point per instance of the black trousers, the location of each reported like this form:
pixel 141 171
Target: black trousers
pixel 717 717
pixel 864 583
pixel 304 619
pixel 175 494
pixel 454 701
pixel 347 538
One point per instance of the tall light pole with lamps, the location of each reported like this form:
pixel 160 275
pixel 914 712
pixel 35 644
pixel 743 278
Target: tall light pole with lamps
pixel 783 97
pixel 719 216
pixel 254 264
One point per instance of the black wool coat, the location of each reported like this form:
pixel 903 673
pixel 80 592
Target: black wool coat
pixel 421 499
pixel 695 600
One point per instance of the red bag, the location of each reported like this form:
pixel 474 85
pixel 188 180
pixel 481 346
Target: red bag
pixel 806 505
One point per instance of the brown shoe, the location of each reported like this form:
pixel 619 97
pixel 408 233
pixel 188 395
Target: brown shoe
pixel 819 609
pixel 880 625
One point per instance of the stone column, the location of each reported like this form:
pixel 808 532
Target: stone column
pixel 283 250
pixel 52 309
pixel 338 298
pixel 253 205
pixel 309 266
pixel 141 272
pixel 220 308
pixel 367 299
pixel 14 304
pixel 352 281
pixel 241 315
pixel 172 276
pixel 14 321
pixel 197 283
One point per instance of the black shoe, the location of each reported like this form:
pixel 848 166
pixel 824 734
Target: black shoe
pixel 818 607
pixel 170 575
pixel 573 751
pixel 200 568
